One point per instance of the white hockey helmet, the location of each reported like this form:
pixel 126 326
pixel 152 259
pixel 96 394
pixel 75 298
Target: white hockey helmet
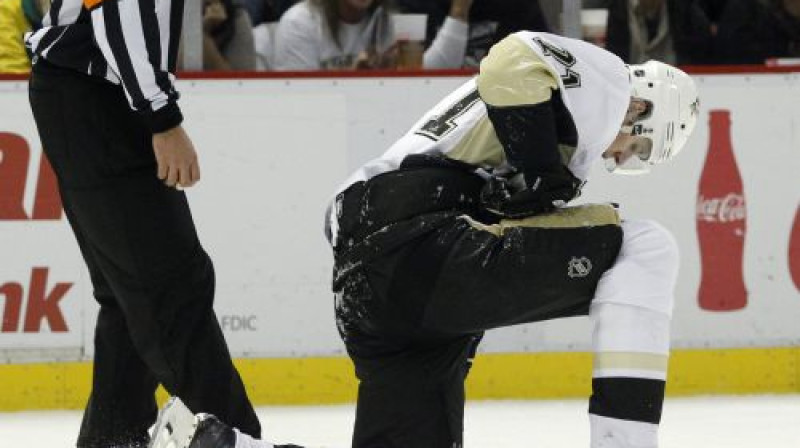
pixel 670 116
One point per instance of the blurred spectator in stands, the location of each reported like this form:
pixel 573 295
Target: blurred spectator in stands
pixel 264 16
pixel 266 11
pixel 334 35
pixel 672 31
pixel 227 37
pixel 713 10
pixel 489 21
pixel 16 18
pixel 752 31
pixel 351 34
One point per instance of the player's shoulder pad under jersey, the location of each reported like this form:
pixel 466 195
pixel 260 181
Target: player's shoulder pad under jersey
pixel 596 85
pixel 514 74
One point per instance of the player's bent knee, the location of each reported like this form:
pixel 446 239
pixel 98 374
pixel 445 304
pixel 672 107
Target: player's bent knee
pixel 659 256
pixel 652 246
pixel 645 271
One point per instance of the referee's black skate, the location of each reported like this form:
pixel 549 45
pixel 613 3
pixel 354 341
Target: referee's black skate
pixel 178 427
pixel 212 433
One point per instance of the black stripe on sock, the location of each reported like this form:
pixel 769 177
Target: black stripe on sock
pixel 636 399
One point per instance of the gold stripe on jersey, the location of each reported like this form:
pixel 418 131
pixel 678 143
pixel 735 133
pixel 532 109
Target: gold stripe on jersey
pixel 494 229
pixel 586 215
pixel 480 146
pixel 513 74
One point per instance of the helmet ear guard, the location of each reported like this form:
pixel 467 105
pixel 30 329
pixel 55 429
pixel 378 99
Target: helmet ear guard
pixel 671 112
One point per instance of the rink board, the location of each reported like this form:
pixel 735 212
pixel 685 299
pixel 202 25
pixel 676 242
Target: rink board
pixel 273 151
pixel 296 381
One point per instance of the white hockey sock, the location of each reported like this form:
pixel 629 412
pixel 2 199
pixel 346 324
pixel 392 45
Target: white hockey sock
pixel 631 350
pixel 245 441
pixel 631 312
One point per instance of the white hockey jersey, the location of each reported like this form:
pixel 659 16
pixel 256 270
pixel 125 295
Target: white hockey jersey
pixel 523 69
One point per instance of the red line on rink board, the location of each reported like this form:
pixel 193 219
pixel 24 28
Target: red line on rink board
pixel 290 75
pixel 739 69
pixel 328 74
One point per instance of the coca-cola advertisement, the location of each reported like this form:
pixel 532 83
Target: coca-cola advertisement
pixel 15 155
pixel 794 250
pixel 721 222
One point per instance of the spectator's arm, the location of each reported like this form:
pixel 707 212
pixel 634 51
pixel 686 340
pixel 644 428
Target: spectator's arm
pixel 449 47
pixel 213 59
pixel 241 51
pixel 297 45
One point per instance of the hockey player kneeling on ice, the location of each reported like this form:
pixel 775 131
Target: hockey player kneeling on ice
pixel 463 226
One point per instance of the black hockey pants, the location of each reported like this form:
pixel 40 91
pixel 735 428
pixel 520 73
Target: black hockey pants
pixel 417 283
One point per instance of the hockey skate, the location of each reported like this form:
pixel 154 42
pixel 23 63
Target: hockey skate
pixel 178 427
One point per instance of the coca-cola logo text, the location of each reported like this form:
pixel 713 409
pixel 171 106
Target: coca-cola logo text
pixel 721 209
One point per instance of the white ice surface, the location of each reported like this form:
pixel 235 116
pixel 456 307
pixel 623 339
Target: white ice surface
pixel 709 422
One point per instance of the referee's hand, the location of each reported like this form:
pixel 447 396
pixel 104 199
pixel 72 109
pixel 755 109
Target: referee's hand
pixel 177 160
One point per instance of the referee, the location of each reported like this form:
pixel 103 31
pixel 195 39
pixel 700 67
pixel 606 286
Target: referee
pixel 105 105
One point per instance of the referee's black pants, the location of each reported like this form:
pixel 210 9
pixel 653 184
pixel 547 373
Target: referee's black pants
pixel 151 277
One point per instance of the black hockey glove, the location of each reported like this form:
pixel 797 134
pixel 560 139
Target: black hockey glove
pixel 544 193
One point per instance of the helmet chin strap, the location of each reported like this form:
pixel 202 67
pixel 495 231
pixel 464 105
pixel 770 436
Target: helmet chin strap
pixel 633 166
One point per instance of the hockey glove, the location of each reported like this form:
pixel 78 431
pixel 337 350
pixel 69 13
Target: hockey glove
pixel 543 194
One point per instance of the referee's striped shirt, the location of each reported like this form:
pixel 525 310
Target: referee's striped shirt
pixel 134 42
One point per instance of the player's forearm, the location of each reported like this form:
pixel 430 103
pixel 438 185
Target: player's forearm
pixel 521 95
pixel 529 137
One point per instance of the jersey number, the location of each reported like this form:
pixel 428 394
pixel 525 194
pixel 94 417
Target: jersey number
pixel 441 125
pixel 565 58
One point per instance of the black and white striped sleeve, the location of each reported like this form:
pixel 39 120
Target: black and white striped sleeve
pixel 139 40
